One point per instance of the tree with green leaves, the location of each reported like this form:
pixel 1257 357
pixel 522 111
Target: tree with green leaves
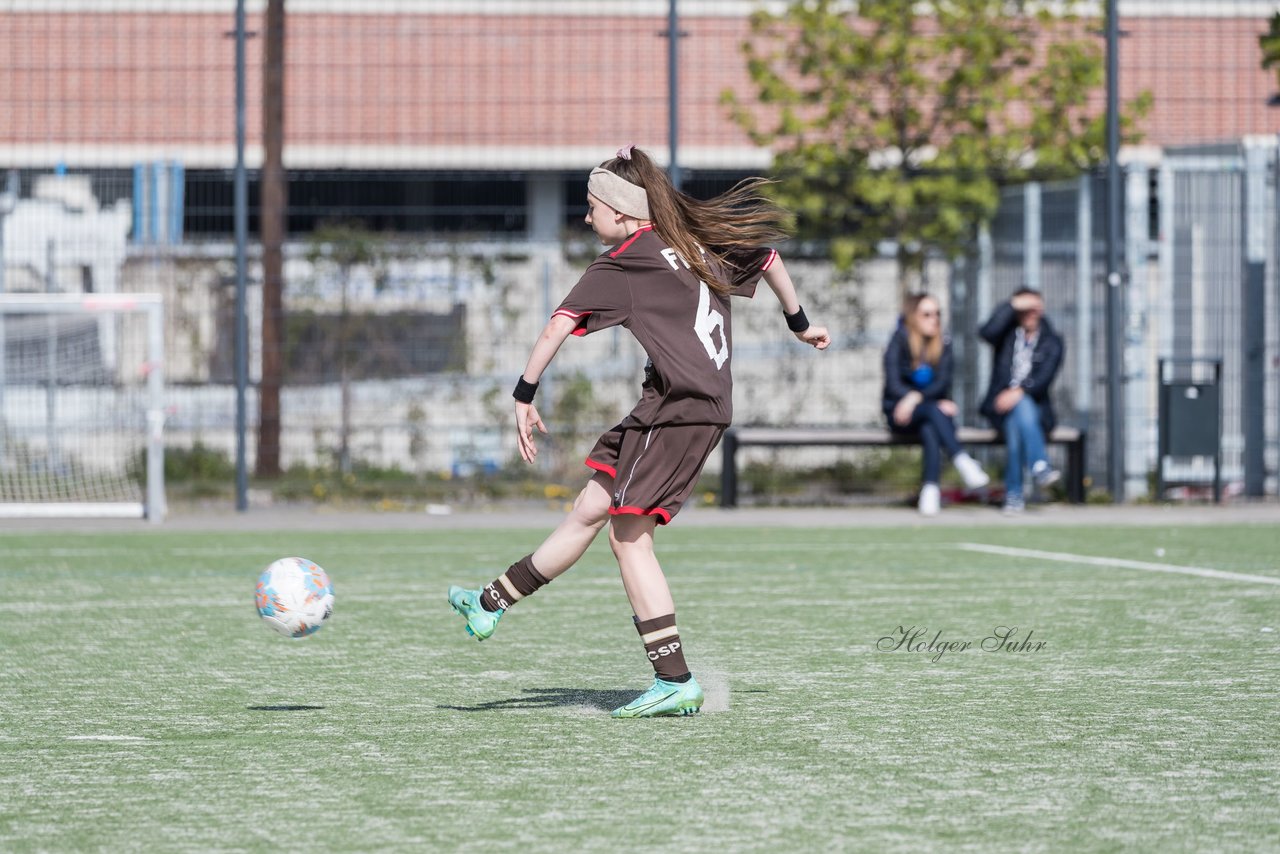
pixel 1270 44
pixel 899 121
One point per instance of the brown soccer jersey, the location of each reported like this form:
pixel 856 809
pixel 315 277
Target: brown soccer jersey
pixel 682 324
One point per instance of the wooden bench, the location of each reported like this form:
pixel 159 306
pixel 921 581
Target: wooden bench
pixel 779 437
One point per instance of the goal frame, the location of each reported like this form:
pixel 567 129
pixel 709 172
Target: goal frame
pixel 153 507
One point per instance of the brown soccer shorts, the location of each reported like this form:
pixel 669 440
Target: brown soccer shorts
pixel 654 469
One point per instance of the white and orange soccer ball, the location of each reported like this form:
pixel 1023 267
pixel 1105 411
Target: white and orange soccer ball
pixel 294 596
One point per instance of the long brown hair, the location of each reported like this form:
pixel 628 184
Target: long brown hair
pixel 740 218
pixel 923 350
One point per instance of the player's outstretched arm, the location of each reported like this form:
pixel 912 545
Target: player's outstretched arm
pixel 779 281
pixel 553 334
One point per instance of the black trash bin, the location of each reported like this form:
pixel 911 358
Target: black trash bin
pixel 1190 418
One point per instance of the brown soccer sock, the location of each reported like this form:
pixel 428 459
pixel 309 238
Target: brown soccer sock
pixel 512 586
pixel 662 644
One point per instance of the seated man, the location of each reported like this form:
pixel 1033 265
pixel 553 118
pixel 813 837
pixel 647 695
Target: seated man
pixel 1028 353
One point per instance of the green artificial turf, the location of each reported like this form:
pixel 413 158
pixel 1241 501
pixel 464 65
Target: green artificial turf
pixel 143 705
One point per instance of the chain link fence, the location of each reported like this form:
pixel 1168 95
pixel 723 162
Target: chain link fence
pixel 446 146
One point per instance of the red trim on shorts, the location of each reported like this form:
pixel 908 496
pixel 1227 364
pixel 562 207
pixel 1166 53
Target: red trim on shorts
pixel 632 239
pixel 768 262
pixel 663 516
pixel 609 470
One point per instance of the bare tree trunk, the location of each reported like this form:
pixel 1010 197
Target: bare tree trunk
pixel 273 204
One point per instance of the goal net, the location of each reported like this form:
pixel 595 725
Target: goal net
pixel 81 405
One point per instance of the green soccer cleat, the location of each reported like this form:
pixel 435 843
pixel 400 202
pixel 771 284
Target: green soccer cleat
pixel 480 623
pixel 664 699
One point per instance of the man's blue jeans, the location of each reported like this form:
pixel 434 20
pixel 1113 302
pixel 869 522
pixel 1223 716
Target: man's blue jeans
pixel 1024 438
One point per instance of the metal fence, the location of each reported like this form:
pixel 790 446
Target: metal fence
pixel 454 138
pixel 1200 284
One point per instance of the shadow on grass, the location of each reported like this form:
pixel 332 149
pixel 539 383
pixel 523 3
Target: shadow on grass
pixel 550 698
pixel 283 708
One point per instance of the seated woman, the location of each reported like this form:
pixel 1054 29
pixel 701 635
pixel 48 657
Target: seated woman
pixel 916 398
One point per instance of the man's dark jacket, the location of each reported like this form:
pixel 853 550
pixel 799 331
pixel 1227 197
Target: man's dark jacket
pixel 1000 331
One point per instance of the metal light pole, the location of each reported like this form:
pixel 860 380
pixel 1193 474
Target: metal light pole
pixel 1253 337
pixel 673 92
pixel 8 201
pixel 1115 277
pixel 242 237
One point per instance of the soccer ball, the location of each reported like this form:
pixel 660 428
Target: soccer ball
pixel 294 597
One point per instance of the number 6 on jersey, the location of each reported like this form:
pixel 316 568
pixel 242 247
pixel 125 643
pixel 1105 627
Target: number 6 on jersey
pixel 708 321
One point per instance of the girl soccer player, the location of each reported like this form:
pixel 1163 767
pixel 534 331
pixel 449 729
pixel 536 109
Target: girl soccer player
pixel 672 263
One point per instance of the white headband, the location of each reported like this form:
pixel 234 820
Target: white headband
pixel 618 193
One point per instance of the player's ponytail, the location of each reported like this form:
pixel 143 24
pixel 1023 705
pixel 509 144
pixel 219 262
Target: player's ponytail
pixel 739 219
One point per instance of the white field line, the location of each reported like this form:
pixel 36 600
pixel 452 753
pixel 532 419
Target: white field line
pixel 1121 563
pixel 105 738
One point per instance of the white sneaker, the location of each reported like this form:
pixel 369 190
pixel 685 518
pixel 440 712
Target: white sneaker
pixel 1013 505
pixel 930 499
pixel 972 473
pixel 1044 475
